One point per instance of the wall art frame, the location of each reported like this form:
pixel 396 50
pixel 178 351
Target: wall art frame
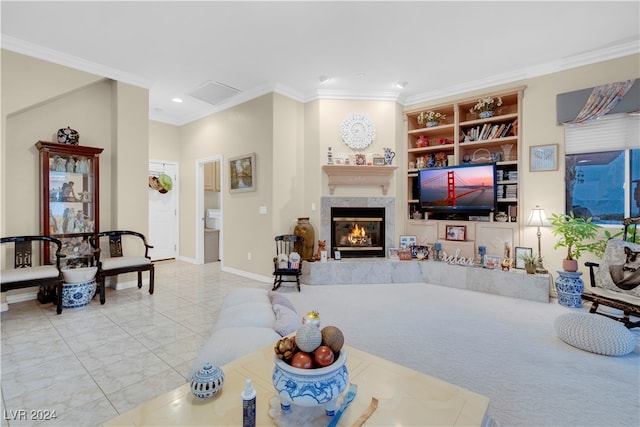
pixel 543 158
pixel 242 173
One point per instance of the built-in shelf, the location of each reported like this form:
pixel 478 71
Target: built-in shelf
pixel 359 175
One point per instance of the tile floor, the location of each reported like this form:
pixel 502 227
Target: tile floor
pixel 90 364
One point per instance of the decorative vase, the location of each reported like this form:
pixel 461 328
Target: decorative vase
pixel 432 124
pixel 207 381
pixel 506 152
pixel 311 387
pixel 305 230
pixel 486 114
pixel 569 286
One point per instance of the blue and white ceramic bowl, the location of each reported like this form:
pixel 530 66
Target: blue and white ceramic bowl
pixel 311 387
pixel 76 295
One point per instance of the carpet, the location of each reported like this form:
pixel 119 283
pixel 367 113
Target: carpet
pixel 501 347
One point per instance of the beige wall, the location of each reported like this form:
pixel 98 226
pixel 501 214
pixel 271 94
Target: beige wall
pixel 38 98
pixel 290 141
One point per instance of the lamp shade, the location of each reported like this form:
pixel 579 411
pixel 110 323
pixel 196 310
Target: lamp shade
pixel 537 218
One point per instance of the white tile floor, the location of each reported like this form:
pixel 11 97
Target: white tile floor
pixel 90 364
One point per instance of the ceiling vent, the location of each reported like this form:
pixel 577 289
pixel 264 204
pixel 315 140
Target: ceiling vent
pixel 213 92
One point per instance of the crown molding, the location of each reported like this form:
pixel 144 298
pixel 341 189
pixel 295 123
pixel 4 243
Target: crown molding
pixel 70 61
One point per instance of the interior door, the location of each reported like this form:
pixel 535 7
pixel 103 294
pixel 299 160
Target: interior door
pixel 163 214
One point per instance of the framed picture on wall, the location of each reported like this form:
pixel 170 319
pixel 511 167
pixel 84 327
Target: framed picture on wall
pixel 242 173
pixel 543 158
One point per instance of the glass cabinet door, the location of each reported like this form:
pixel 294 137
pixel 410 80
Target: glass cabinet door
pixel 70 198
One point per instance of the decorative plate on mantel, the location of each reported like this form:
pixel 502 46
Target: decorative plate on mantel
pixel 357 131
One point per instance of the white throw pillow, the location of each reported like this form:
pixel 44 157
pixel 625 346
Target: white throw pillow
pixel 245 295
pixel 228 344
pixel 287 320
pixel 258 314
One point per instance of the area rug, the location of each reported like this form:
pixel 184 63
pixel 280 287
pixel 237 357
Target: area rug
pixel 501 347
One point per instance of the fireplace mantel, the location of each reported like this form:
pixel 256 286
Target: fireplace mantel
pixel 359 175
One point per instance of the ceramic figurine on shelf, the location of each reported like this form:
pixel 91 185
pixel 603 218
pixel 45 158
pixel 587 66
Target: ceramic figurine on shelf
pixel 329 156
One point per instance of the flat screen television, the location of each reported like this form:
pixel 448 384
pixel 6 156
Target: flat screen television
pixel 467 188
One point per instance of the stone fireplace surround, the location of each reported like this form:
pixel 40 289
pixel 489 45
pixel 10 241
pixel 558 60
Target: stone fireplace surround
pixel 514 283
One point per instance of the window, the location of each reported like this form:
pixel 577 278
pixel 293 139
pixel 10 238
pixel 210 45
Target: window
pixel 602 169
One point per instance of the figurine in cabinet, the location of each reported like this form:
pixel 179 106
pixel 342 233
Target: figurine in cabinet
pixel 71 164
pixel 61 164
pixel 68 193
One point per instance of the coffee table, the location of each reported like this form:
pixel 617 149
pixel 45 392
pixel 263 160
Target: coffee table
pixel 405 396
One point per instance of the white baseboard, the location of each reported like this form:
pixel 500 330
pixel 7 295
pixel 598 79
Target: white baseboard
pixel 242 273
pixel 21 297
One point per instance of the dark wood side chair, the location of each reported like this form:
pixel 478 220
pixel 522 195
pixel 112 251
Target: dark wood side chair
pixel 283 270
pixel 25 274
pixel 119 263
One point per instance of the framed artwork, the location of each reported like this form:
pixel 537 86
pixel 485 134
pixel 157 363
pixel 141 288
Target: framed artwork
pixel 407 241
pixel 378 161
pixel 393 253
pixel 543 158
pixel 242 173
pixel 520 252
pixel 361 159
pixel 456 232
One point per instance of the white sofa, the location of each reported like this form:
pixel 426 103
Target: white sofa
pixel 248 320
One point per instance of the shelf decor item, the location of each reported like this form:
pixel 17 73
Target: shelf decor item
pixel 68 136
pixel 486 106
pixel 207 381
pixel 431 118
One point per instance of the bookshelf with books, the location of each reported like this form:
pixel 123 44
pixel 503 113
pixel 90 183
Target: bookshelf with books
pixel 466 136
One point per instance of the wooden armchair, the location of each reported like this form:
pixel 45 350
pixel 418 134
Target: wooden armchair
pixel 615 282
pixel 118 263
pixel 25 275
pixel 287 264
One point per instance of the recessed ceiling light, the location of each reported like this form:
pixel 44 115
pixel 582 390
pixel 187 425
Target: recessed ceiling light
pixel 401 85
pixel 177 100
pixel 324 79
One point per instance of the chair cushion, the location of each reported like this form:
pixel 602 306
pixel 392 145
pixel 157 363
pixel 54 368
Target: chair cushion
pixel 124 261
pixel 617 272
pixel 12 275
pixel 595 333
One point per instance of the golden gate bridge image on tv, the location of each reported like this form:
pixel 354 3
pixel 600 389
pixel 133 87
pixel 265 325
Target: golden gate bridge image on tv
pixel 465 186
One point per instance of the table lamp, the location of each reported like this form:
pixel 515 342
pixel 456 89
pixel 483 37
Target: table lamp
pixel 537 218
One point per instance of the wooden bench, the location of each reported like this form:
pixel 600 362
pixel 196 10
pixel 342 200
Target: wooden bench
pixel 615 282
pixel 25 274
pixel 118 263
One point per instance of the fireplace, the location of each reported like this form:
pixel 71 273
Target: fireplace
pixel 358 232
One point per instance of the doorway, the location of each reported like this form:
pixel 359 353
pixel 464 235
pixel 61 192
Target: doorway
pixel 209 222
pixel 163 212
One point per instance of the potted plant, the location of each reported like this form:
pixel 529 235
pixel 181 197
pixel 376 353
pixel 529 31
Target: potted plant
pixel 486 106
pixel 573 232
pixel 431 118
pixel 530 261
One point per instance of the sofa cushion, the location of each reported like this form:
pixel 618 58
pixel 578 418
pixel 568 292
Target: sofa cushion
pixel 243 296
pixel 258 314
pixel 12 275
pixel 287 320
pixel 595 333
pixel 228 344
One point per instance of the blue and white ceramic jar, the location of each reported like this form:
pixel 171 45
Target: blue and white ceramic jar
pixel 207 381
pixel 486 114
pixel 311 387
pixel 569 286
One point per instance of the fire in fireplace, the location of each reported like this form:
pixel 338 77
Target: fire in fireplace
pixel 357 232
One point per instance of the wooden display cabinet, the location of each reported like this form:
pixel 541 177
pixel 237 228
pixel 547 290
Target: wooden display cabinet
pixel 70 198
